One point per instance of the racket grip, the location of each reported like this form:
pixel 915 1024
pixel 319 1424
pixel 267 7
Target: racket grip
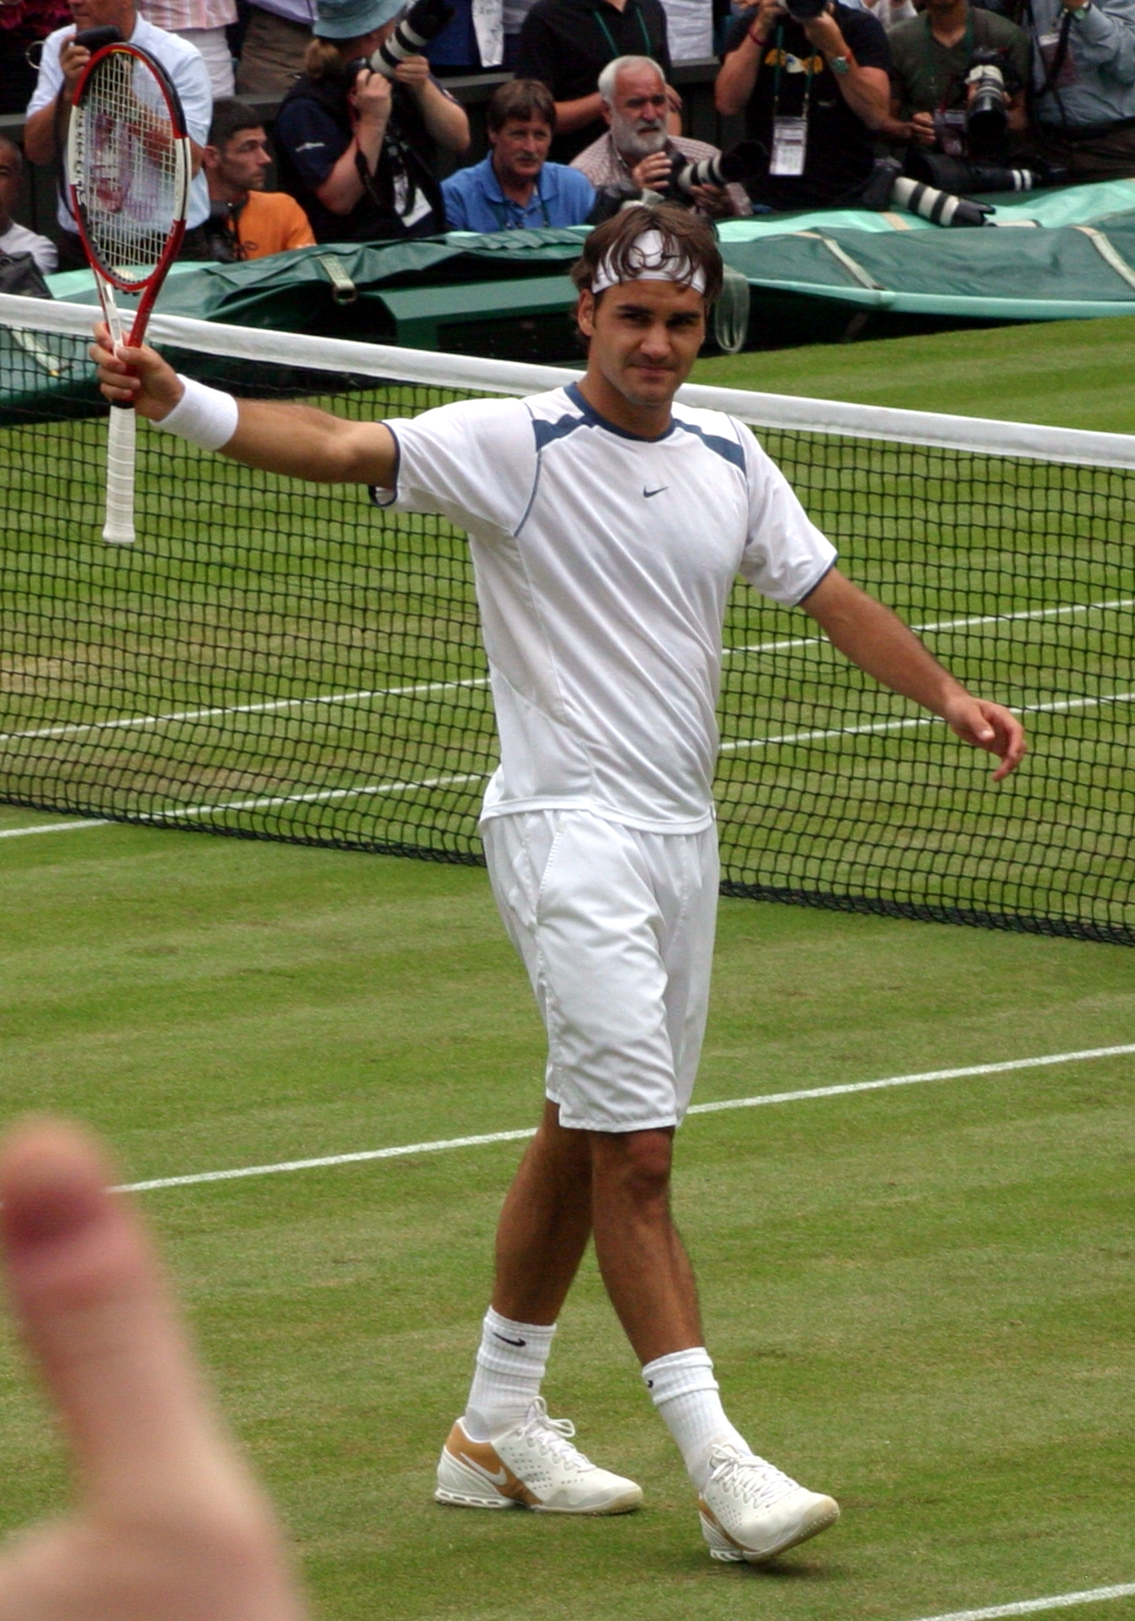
pixel 119 527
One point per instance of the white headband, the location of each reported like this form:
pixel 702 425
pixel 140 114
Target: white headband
pixel 647 259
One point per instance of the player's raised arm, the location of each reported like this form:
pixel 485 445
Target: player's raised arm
pixel 270 434
pixel 876 639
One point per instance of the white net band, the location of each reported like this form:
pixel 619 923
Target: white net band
pixel 981 435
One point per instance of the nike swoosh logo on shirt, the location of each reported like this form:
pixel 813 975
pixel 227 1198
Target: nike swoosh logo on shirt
pixel 506 1339
pixel 498 1479
pixel 648 493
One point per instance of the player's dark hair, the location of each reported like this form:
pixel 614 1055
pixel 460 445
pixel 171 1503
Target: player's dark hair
pixel 687 239
pixel 526 99
pixel 230 116
pixel 15 156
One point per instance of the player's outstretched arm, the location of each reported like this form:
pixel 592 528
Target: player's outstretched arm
pixel 876 639
pixel 169 1525
pixel 278 437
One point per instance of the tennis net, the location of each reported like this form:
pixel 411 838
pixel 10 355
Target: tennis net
pixel 277 660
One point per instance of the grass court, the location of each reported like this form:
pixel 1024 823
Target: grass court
pixel 918 1297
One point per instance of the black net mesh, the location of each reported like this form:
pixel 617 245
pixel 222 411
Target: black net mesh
pixel 277 660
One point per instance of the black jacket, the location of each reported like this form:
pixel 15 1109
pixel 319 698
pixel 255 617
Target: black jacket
pixel 567 43
pixel 314 126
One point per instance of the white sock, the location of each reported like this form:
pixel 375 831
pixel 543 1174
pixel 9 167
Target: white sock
pixel 686 1395
pixel 510 1365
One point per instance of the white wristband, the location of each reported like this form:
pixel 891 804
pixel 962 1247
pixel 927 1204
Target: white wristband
pixel 204 416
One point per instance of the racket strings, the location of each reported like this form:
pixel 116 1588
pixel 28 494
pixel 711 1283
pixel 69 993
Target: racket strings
pixel 129 160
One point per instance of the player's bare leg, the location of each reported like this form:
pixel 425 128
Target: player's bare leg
pixel 644 1264
pixel 545 1223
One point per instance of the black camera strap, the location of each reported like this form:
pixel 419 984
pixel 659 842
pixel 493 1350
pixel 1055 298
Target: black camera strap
pixel 1055 65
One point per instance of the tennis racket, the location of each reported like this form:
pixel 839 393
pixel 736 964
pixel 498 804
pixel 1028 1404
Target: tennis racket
pixel 128 161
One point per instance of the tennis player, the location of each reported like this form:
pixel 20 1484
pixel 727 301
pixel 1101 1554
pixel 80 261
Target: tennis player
pixel 607 526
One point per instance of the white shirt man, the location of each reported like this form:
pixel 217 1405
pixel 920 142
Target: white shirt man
pixel 606 529
pixel 62 62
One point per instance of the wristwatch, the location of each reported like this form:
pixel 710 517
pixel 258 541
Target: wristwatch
pixel 839 64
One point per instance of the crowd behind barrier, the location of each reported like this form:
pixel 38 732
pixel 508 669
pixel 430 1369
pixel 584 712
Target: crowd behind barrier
pixel 375 130
pixel 35 204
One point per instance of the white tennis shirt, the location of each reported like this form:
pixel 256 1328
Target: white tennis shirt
pixel 603 566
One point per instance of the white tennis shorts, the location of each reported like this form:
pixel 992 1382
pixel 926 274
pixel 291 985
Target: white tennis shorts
pixel 615 928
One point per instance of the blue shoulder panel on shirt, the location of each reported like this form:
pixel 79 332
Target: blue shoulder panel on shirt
pixel 546 432
pixel 727 448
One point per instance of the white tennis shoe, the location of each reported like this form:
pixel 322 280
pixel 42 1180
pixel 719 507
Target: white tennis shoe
pixel 533 1465
pixel 750 1510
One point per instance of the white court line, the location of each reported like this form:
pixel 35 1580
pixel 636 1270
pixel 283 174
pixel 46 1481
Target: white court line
pixel 306 799
pixel 178 811
pixel 950 624
pixel 698 1108
pixel 1056 706
pixel 76 728
pixel 52 827
pixel 1031 1606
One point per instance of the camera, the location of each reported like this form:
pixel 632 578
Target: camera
pixel 423 22
pixel 987 112
pixel 94 39
pixel 805 11
pixel 955 174
pixel 740 163
pixel 889 187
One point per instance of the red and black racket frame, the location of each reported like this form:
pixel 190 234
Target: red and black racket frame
pixel 149 286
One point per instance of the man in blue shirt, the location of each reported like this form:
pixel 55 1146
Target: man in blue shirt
pixel 515 186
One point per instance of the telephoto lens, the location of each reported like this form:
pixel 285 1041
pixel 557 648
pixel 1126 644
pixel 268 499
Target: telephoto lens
pixel 955 174
pixel 941 207
pixel 987 112
pixel 423 22
pixel 741 162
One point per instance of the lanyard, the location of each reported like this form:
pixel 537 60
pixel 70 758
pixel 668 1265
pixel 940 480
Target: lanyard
pixel 931 66
pixel 500 209
pixel 779 48
pixel 648 49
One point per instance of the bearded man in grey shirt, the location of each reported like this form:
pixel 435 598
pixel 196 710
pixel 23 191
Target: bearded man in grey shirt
pixel 637 149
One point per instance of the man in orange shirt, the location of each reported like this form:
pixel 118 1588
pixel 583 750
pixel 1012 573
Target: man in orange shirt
pixel 247 222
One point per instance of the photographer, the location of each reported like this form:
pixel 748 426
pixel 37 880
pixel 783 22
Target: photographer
pixel 933 83
pixel 355 145
pixel 1084 85
pixel 812 81
pixel 637 150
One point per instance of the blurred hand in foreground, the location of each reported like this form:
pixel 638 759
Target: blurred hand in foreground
pixel 169 1525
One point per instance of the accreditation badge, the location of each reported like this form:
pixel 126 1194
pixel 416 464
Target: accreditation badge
pixel 789 146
